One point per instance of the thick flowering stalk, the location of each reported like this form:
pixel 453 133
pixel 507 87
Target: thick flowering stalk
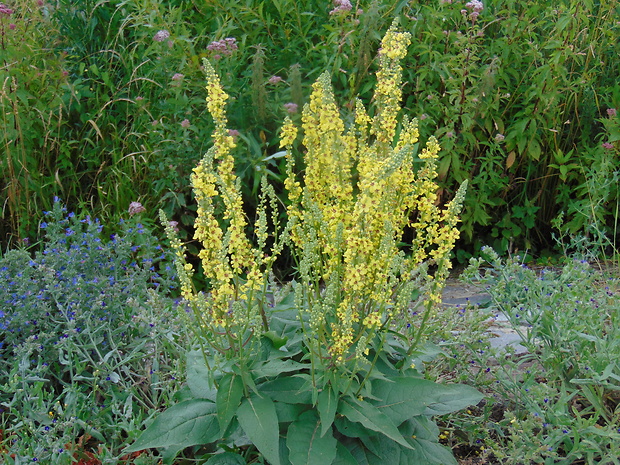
pixel 234 269
pixel 361 192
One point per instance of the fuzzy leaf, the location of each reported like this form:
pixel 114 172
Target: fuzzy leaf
pixel 370 417
pixel 291 390
pixel 403 398
pixel 422 433
pixel 343 456
pixel 226 458
pixel 228 398
pixel 327 404
pixel 257 416
pixel 305 443
pixel 198 377
pixel 188 423
pixel 275 367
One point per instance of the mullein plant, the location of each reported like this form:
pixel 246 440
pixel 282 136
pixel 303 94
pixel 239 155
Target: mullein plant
pixel 329 371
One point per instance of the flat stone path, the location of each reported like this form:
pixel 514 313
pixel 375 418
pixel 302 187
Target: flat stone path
pixel 503 335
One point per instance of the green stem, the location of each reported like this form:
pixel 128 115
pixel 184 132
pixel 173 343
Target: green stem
pixel 374 362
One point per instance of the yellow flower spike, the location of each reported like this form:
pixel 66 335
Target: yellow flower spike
pixel 388 91
pixel 394 44
pixel 216 99
pixel 288 133
pixel 431 150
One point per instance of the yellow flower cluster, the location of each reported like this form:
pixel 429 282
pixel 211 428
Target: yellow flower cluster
pixel 388 92
pixel 359 194
pixel 234 269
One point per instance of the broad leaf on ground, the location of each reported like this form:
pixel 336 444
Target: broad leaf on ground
pixel 227 458
pixel 228 398
pixel 198 376
pixel 405 397
pixel 290 389
pixel 305 443
pixel 188 423
pixel 370 417
pixel 257 416
pixel 326 405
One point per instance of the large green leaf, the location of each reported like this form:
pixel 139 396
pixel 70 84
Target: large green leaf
pixel 350 428
pixel 288 413
pixel 305 443
pixel 370 417
pixel 188 423
pixel 422 452
pixel 257 416
pixel 361 455
pixel 327 404
pixel 343 456
pixel 422 433
pixel 228 398
pixel 198 376
pixel 383 449
pixel 291 390
pixel 405 397
pixel 420 427
pixel 275 367
pixel 227 458
pixel 450 398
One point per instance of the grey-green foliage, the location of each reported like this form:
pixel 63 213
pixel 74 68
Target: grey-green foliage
pixel 88 338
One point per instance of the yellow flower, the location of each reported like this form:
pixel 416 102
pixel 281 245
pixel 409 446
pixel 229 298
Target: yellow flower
pixel 288 133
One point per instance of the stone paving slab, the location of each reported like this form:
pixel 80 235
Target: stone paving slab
pixel 457 293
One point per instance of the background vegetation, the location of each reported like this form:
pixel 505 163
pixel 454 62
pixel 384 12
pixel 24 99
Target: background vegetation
pixel 101 110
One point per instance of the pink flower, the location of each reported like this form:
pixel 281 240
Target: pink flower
pixel 135 208
pixel 174 225
pixel 499 137
pixel 275 79
pixel 291 107
pixel 342 6
pixel 475 5
pixel 224 47
pixel 5 10
pixel 177 77
pixel 12 26
pixel 139 99
pixel 161 35
pixel 233 133
pixel 608 146
pixel 185 123
pixel 611 112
